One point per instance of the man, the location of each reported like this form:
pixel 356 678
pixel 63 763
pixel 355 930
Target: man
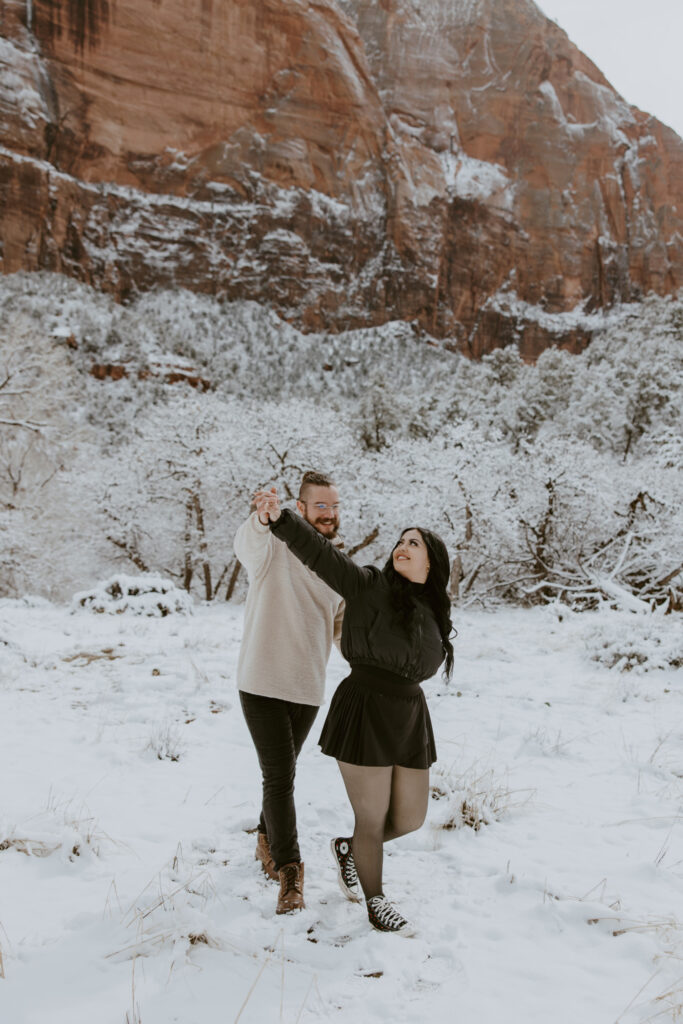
pixel 290 620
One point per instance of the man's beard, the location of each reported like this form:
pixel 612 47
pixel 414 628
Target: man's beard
pixel 330 528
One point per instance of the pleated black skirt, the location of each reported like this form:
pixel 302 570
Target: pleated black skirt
pixel 377 718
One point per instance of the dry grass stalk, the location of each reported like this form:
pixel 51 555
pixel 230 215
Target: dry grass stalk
pixel 135 1008
pixel 143 947
pixel 150 945
pixel 107 903
pixel 666 926
pixel 135 912
pixel 638 993
pixel 2 965
pixel 596 894
pixel 151 937
pixel 673 999
pixel 164 897
pixel 254 984
pixel 282 979
pixel 314 981
pixel 31 847
pixel 668 1004
pixel 167 742
pixel 203 939
pixel 87 657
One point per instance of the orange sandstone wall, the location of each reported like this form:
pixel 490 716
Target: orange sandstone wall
pixel 455 162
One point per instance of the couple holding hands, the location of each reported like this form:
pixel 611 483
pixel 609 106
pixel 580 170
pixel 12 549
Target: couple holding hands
pixel 393 627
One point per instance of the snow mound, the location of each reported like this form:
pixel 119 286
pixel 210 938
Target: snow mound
pixel 146 594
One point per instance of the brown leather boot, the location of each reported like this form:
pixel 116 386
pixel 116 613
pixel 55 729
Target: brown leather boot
pixel 291 895
pixel 263 854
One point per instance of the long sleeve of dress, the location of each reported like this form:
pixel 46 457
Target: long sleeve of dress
pixel 321 556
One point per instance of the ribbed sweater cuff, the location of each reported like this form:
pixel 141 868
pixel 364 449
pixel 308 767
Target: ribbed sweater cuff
pixel 284 515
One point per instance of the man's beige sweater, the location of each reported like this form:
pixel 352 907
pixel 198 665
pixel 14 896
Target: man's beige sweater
pixel 290 620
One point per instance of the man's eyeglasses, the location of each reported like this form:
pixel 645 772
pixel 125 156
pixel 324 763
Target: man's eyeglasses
pixel 320 506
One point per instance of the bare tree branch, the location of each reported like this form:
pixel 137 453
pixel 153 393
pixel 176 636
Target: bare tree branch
pixel 24 425
pixel 364 543
pixel 134 555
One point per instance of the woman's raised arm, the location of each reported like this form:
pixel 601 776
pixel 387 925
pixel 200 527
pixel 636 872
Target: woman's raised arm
pixel 321 556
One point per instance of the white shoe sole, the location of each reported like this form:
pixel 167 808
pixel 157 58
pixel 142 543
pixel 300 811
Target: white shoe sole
pixel 407 933
pixel 349 893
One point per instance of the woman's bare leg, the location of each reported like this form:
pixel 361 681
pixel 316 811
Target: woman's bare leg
pixel 408 801
pixel 369 791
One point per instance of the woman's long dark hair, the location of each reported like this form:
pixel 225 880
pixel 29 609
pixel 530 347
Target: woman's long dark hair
pixel 435 589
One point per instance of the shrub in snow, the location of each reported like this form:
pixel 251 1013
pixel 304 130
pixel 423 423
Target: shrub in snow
pixel 135 595
pixel 638 643
pixel 72 843
pixel 171 911
pixel 58 829
pixel 469 800
pixel 167 743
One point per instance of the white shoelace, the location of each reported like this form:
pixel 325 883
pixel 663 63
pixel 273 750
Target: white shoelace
pixel 350 872
pixel 385 913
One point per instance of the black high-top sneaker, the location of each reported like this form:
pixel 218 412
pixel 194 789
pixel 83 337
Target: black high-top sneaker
pixel 346 869
pixel 386 918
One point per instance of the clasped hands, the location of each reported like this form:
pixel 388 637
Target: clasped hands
pixel 267 506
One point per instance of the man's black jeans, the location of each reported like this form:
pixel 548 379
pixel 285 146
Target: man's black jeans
pixel 278 729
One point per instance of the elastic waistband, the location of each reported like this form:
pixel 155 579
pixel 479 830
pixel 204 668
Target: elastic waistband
pixel 381 680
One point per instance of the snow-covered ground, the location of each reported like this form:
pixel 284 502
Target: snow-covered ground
pixel 128 889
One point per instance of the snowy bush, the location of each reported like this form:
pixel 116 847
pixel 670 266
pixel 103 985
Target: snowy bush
pixel 57 829
pixel 135 595
pixel 166 742
pixel 639 643
pixel 470 799
pixel 172 911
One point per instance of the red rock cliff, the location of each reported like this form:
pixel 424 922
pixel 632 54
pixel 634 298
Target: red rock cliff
pixel 457 162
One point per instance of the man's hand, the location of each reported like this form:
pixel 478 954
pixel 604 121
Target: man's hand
pixel 267 506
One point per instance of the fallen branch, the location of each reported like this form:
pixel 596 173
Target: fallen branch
pixel 620 594
pixel 665 579
pixel 622 556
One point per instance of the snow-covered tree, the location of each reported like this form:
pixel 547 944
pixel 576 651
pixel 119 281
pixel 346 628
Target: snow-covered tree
pixel 133 436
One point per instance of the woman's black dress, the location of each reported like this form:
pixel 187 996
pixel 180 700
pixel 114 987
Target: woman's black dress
pixel 378 715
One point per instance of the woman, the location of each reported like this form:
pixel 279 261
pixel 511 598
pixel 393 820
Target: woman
pixel 395 634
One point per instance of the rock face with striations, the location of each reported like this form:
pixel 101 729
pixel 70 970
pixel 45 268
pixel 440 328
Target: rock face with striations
pixel 458 163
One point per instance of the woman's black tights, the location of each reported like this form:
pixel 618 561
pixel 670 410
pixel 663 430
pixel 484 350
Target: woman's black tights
pixel 387 803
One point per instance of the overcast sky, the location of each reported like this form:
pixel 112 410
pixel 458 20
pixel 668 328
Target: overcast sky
pixel 637 44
